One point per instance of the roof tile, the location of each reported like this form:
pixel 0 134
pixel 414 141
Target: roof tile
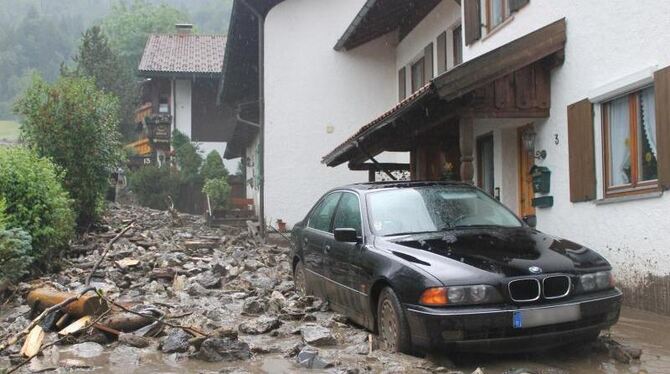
pixel 183 53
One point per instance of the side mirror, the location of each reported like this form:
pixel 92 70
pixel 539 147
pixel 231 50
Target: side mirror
pixel 346 235
pixel 530 220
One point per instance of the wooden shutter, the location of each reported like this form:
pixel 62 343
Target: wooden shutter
pixel 402 84
pixel 515 5
pixel 441 53
pixel 662 95
pixel 473 21
pixel 428 63
pixel 581 146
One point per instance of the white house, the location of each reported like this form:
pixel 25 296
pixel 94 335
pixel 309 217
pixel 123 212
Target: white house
pixel 478 90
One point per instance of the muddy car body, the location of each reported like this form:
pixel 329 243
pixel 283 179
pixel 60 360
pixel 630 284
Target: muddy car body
pixel 480 283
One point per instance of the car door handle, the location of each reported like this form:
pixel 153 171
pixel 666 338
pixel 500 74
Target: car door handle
pixel 326 249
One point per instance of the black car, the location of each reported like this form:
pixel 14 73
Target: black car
pixel 444 265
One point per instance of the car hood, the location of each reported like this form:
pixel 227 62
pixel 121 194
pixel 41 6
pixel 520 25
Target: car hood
pixel 464 255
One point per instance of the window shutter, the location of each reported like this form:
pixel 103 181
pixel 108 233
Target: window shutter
pixel 441 53
pixel 515 5
pixel 581 146
pixel 428 63
pixel 662 95
pixel 473 20
pixel 402 84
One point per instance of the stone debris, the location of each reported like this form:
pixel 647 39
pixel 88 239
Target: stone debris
pixel 317 335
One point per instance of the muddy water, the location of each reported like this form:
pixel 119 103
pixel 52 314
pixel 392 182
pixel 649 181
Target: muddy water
pixel 649 331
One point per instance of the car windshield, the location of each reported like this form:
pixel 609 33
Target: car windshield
pixel 435 208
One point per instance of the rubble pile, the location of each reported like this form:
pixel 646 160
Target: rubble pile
pixel 173 287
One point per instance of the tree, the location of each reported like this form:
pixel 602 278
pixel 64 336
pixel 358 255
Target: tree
pixel 74 124
pixel 213 167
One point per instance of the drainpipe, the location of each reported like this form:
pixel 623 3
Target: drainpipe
pixel 261 112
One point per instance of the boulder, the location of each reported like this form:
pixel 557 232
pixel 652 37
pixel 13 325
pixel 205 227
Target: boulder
pixel 317 336
pixel 175 341
pixel 260 325
pixel 223 349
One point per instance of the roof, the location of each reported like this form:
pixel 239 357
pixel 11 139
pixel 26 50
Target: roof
pixel 183 53
pixel 379 17
pixel 461 80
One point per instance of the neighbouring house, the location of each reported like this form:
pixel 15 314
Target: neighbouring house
pixel 182 74
pixel 551 107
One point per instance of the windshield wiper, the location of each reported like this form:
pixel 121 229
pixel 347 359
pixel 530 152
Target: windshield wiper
pixel 410 233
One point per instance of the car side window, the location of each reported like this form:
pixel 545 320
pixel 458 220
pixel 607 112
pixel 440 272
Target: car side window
pixel 323 214
pixel 348 214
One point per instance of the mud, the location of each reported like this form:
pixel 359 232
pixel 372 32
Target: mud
pixel 651 293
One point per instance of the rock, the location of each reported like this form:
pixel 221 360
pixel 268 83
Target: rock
pixel 260 325
pixel 223 349
pixel 196 289
pixel 309 358
pixel 254 306
pixel 317 336
pixel 209 280
pixel 175 341
pixel 134 340
pixel 86 350
pixel 73 364
pixel 478 371
pixel 226 332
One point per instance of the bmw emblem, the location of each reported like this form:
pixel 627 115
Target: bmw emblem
pixel 535 269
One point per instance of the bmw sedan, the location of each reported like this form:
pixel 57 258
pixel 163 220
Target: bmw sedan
pixel 431 265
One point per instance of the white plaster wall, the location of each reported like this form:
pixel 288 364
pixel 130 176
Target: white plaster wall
pixel 604 43
pixel 183 106
pixel 311 89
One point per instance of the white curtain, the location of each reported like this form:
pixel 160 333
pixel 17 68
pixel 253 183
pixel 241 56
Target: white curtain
pixel 619 128
pixel 648 115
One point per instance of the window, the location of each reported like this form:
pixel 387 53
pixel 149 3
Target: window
pixel 496 13
pixel 348 214
pixel 163 104
pixel 457 38
pixel 418 75
pixel 629 134
pixel 322 216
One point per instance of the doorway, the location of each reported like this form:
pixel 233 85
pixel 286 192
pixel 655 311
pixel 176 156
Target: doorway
pixel 526 162
pixel 485 168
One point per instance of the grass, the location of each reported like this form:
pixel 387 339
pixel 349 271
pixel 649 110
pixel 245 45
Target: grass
pixel 9 130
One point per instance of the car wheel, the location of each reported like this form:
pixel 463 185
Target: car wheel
pixel 391 323
pixel 299 279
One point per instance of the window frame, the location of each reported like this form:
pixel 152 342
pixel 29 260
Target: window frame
pixel 505 10
pixel 636 186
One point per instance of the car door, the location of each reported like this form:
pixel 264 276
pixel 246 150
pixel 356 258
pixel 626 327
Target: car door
pixel 317 232
pixel 342 259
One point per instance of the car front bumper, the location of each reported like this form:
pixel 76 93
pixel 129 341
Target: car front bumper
pixel 488 328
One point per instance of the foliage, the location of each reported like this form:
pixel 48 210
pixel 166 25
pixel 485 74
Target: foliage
pixel 153 185
pixel 188 158
pixel 129 25
pixel 218 191
pixel 35 201
pixel 15 256
pixel 3 215
pixel 74 124
pixel 213 167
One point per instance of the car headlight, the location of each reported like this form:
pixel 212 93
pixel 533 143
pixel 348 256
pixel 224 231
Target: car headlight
pixel 460 295
pixel 590 282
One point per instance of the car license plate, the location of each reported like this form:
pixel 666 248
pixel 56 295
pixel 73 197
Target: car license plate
pixel 545 316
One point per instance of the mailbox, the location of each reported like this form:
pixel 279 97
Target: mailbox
pixel 541 179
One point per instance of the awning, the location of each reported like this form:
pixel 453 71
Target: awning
pixel 451 93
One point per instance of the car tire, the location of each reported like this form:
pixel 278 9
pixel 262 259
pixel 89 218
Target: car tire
pixel 299 279
pixel 392 324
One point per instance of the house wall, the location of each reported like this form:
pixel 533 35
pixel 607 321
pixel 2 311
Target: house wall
pixel 604 43
pixel 316 98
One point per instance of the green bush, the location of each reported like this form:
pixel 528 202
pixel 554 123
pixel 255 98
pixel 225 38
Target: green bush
pixel 153 185
pixel 188 158
pixel 36 202
pixel 75 124
pixel 218 191
pixel 213 167
pixel 15 258
pixel 3 215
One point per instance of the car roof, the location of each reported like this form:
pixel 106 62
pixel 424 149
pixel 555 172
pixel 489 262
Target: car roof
pixel 371 186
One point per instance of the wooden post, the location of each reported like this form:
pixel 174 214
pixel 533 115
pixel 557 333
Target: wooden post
pixel 465 141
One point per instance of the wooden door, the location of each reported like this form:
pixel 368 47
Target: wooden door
pixel 526 161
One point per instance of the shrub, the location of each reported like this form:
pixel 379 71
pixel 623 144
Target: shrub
pixel 3 215
pixel 15 256
pixel 153 185
pixel 36 202
pixel 218 191
pixel 74 124
pixel 213 167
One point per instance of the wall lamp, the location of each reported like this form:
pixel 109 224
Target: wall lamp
pixel 528 140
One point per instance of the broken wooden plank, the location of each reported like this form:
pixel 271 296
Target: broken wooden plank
pixel 33 342
pixel 197 244
pixel 127 263
pixel 84 306
pixel 76 326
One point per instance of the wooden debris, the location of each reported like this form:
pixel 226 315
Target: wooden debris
pixel 197 244
pixel 33 342
pixel 84 306
pixel 127 263
pixel 162 273
pixel 125 321
pixel 76 326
